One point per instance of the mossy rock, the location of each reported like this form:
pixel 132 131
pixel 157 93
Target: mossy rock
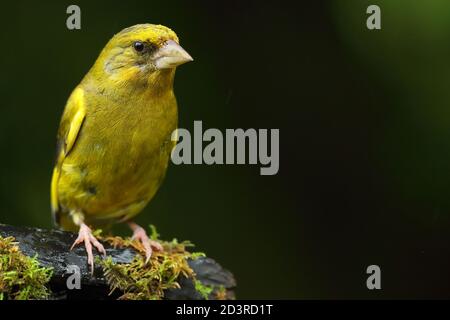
pixel 175 273
pixel 21 277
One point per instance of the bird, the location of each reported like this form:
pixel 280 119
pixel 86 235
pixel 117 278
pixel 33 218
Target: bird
pixel 115 136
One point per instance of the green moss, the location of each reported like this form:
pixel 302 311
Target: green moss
pixel 204 290
pixel 140 281
pixel 21 277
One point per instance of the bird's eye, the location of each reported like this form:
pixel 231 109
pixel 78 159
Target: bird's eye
pixel 138 46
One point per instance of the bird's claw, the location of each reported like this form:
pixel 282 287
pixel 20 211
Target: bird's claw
pixel 85 235
pixel 140 235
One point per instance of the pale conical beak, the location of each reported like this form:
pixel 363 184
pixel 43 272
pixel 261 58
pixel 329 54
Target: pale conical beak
pixel 170 55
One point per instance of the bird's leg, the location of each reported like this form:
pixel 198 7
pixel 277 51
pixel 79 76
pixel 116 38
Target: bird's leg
pixel 140 234
pixel 85 235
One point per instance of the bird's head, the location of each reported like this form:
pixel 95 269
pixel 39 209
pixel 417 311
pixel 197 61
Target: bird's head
pixel 141 54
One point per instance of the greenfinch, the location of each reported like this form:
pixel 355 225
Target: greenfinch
pixel 114 139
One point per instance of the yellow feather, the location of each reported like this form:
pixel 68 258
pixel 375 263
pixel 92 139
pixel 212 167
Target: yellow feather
pixel 77 121
pixel 54 190
pixel 71 122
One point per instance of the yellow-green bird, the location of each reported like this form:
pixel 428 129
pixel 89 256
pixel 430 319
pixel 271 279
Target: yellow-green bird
pixel 114 140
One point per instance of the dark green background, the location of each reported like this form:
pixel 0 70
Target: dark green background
pixel 364 119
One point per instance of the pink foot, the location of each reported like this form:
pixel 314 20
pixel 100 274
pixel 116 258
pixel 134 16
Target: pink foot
pixel 140 234
pixel 85 235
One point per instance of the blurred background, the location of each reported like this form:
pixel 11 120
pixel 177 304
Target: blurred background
pixel 364 119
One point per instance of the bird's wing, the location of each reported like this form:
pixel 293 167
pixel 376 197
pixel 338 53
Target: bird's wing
pixel 71 122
